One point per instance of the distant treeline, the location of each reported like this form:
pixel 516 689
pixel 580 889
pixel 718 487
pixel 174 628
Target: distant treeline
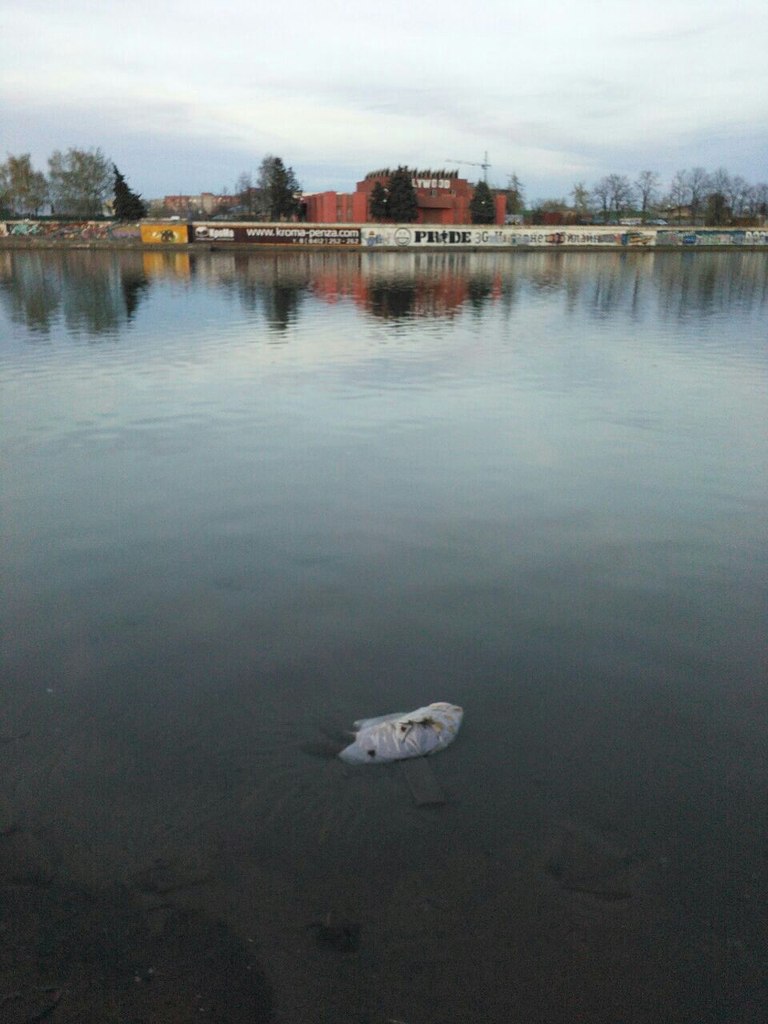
pixel 86 184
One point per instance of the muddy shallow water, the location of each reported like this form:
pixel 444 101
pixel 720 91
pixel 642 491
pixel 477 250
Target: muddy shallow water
pixel 249 499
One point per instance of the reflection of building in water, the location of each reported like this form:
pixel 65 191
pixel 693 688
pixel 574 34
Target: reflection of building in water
pixel 417 284
pixel 442 198
pixel 390 284
pixel 95 292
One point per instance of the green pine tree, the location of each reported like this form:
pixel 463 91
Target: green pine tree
pixel 482 208
pixel 279 188
pixel 379 202
pixel 403 206
pixel 128 205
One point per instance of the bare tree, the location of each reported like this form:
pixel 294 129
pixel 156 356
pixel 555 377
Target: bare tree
pixel 647 186
pixel 614 193
pixel 679 192
pixel 720 181
pixel 246 193
pixel 717 211
pixel 581 199
pixel 22 188
pixel 761 199
pixel 515 199
pixel 698 184
pixel 80 181
pixel 620 193
pixel 602 194
pixel 738 194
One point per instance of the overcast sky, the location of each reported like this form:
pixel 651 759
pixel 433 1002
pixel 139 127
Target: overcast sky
pixel 186 96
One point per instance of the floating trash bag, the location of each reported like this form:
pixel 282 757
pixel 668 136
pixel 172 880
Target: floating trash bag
pixel 394 737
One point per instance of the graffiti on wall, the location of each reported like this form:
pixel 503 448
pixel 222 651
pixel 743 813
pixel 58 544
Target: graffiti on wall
pixel 84 231
pixel 714 236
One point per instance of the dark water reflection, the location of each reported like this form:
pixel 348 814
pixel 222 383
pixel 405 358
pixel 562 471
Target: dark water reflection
pixel 93 293
pixel 285 491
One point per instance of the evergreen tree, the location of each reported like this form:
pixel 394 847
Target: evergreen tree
pixel 402 206
pixel 379 202
pixel 280 191
pixel 128 205
pixel 482 208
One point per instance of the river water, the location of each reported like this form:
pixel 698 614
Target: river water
pixel 247 499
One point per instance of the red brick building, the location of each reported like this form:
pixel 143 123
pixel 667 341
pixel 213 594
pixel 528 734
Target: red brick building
pixel 442 197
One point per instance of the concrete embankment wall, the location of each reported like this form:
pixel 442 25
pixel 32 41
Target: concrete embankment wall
pixel 220 234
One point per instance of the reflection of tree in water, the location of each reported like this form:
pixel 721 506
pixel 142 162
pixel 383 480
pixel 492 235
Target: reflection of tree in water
pixel 95 292
pixel 282 305
pixel 30 291
pixel 392 301
pixel 249 291
pixel 135 284
pixel 609 287
pixel 276 286
pixel 699 283
pixel 429 284
pixel 92 294
pixel 428 297
pixel 479 291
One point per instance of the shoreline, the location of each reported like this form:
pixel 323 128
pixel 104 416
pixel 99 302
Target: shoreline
pixel 189 237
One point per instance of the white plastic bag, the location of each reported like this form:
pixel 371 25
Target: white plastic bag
pixel 394 737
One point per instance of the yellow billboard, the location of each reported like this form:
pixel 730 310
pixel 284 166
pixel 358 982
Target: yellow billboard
pixel 164 233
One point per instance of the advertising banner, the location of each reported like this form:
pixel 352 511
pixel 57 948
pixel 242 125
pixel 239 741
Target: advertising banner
pixel 489 236
pixel 278 234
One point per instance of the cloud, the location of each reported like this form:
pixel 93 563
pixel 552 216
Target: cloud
pixel 548 89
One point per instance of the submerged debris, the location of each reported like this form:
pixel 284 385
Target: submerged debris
pixel 398 736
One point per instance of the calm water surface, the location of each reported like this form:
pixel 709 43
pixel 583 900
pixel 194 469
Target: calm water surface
pixel 247 499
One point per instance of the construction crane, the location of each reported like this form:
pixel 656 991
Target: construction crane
pixel 485 165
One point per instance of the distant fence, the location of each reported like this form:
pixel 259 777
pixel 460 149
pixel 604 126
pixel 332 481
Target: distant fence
pixel 382 236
